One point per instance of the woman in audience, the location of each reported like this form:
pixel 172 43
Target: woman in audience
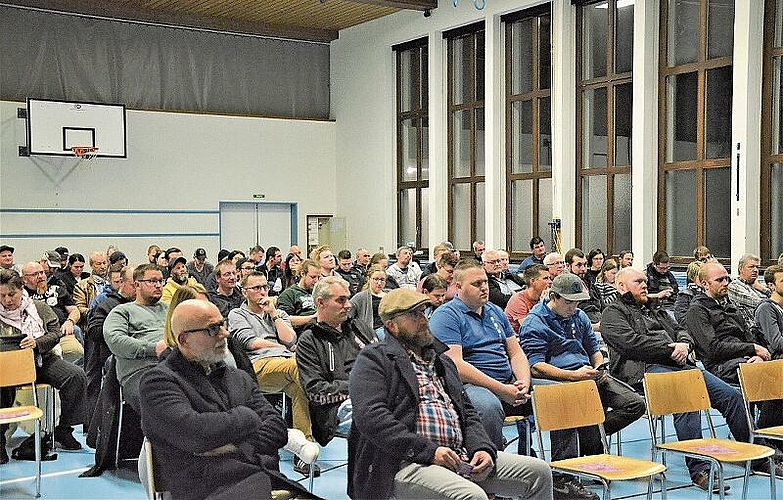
pixel 74 272
pixel 382 260
pixel 291 271
pixel 434 287
pixel 604 282
pixel 595 261
pixel 683 301
pixel 364 305
pixel 152 253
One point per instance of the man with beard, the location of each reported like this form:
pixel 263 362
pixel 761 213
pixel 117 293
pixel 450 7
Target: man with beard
pixel 226 296
pixel 134 331
pixel 61 302
pixel 415 433
pixel 98 351
pixel 746 292
pixel 213 432
pixel 178 277
pixel 199 268
pixel 87 289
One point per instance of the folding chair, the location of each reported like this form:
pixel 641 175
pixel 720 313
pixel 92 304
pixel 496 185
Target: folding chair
pixel 761 382
pixel 577 404
pixel 17 367
pixel 514 420
pixel 685 391
pixel 147 474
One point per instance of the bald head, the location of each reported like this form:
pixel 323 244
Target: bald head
pixel 632 280
pixel 34 276
pixel 714 280
pixel 192 313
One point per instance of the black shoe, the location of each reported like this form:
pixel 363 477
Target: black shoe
pixel 572 489
pixel 63 437
pixel 764 468
pixel 702 480
pixel 303 467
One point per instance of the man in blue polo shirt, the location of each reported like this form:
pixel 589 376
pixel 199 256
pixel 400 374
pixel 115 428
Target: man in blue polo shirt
pixel 482 344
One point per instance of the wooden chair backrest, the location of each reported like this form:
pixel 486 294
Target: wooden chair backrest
pixel 567 405
pixel 17 367
pixel 762 381
pixel 675 392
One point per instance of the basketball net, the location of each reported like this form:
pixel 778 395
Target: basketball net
pixel 85 153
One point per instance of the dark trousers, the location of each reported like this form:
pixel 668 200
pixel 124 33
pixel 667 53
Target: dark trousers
pixel 96 352
pixel 71 381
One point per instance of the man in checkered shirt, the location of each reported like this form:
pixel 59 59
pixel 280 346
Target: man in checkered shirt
pixel 415 432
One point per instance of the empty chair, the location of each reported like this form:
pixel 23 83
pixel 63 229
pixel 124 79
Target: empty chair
pixel 685 391
pixel 761 382
pixel 555 409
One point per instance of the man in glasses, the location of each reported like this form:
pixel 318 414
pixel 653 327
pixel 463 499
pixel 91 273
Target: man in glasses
pixel 212 431
pixel 134 331
pixel 269 340
pixel 416 435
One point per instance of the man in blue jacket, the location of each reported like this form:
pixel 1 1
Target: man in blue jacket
pixel 415 433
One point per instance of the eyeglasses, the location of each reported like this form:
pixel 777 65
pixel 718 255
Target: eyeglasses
pixel 244 268
pixel 152 282
pixel 257 287
pixel 557 263
pixel 37 273
pixel 379 280
pixel 212 330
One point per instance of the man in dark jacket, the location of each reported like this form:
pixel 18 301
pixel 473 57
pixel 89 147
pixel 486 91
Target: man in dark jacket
pixel 642 338
pixel 325 353
pixel 412 415
pixel 723 340
pixel 210 428
pixel 661 283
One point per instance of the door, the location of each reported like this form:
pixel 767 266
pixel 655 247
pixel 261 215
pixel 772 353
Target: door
pixel 244 224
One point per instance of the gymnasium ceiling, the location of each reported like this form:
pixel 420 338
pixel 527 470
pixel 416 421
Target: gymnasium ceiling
pixel 315 20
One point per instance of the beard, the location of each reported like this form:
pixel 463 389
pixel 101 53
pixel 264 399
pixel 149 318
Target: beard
pixel 41 288
pixel 180 279
pixel 420 338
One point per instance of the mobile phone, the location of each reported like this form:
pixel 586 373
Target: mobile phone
pixel 465 469
pixel 603 366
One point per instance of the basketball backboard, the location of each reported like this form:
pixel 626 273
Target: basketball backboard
pixel 54 127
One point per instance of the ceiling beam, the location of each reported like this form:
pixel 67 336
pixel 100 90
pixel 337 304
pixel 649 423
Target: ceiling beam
pixel 103 9
pixel 403 4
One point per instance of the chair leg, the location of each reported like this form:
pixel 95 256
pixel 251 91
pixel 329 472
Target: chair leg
pixel 119 435
pixel 38 458
pixel 772 475
pixel 311 476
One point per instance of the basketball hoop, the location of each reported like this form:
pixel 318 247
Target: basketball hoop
pixel 85 153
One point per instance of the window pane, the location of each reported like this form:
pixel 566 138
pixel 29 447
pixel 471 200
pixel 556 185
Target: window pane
pixel 544 135
pixel 407 60
pixel 683 21
pixel 681 93
pixel 461 70
pixel 521 215
pixel 408 215
pixel 461 215
pixel 594 127
pixel 622 212
pixel 479 72
pixel 425 81
pixel 717 211
pixel 480 212
pixel 522 56
pixel 594 19
pixel 461 143
pixel 479 141
pixel 544 208
pixel 522 137
pixel 623 108
pixel 624 37
pixel 425 149
pixel 778 24
pixel 776 210
pixel 425 218
pixel 594 211
pixel 409 138
pixel 544 54
pixel 718 118
pixel 777 109
pixel 680 212
pixel 720 29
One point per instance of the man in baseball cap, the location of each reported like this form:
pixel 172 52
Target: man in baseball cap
pixel 7 259
pixel 449 454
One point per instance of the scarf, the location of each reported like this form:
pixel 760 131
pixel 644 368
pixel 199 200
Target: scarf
pixel 25 317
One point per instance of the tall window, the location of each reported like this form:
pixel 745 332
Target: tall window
pixel 604 110
pixel 528 127
pixel 772 134
pixel 466 134
pixel 694 181
pixel 412 143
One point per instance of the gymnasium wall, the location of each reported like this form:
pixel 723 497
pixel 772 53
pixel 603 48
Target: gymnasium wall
pixel 179 166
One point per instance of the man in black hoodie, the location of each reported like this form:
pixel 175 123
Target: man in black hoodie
pixel 325 353
pixel 98 353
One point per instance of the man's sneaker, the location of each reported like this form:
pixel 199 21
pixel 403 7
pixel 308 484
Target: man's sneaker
pixel 702 480
pixel 64 438
pixel 303 467
pixel 299 445
pixel 572 489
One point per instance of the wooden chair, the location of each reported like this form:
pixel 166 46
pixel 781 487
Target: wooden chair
pixel 685 391
pixel 577 404
pixel 17 367
pixel 514 420
pixel 761 382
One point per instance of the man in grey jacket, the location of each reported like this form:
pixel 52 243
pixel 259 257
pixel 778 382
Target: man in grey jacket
pixel 269 340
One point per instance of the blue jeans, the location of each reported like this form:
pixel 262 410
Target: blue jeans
pixel 724 398
pixel 493 411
